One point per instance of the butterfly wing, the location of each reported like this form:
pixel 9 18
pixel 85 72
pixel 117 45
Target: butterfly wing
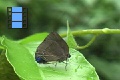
pixel 57 38
pixel 54 52
pixel 49 52
pixel 53 48
pixel 41 48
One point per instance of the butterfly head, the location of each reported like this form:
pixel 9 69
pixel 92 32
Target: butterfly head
pixel 40 60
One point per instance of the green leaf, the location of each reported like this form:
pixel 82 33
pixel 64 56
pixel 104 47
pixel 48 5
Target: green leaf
pixel 6 70
pixel 33 41
pixel 70 39
pixel 22 61
pixel 78 68
pixel 33 38
pixel 21 57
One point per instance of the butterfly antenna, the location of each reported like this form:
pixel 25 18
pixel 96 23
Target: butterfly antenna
pixel 55 64
pixel 66 64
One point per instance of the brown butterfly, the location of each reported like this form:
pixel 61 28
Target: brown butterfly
pixel 53 48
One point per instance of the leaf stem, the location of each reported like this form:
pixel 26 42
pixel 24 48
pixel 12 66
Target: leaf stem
pixel 94 31
pixel 88 44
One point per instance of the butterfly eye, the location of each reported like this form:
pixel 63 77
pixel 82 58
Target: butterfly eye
pixel 38 59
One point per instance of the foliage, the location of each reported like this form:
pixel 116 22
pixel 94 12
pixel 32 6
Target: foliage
pixel 21 57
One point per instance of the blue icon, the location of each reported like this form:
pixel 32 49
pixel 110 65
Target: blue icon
pixel 16 24
pixel 16 9
pixel 17 17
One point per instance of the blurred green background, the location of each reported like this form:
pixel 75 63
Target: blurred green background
pixel 51 15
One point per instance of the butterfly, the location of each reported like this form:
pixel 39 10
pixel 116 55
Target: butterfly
pixel 53 48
